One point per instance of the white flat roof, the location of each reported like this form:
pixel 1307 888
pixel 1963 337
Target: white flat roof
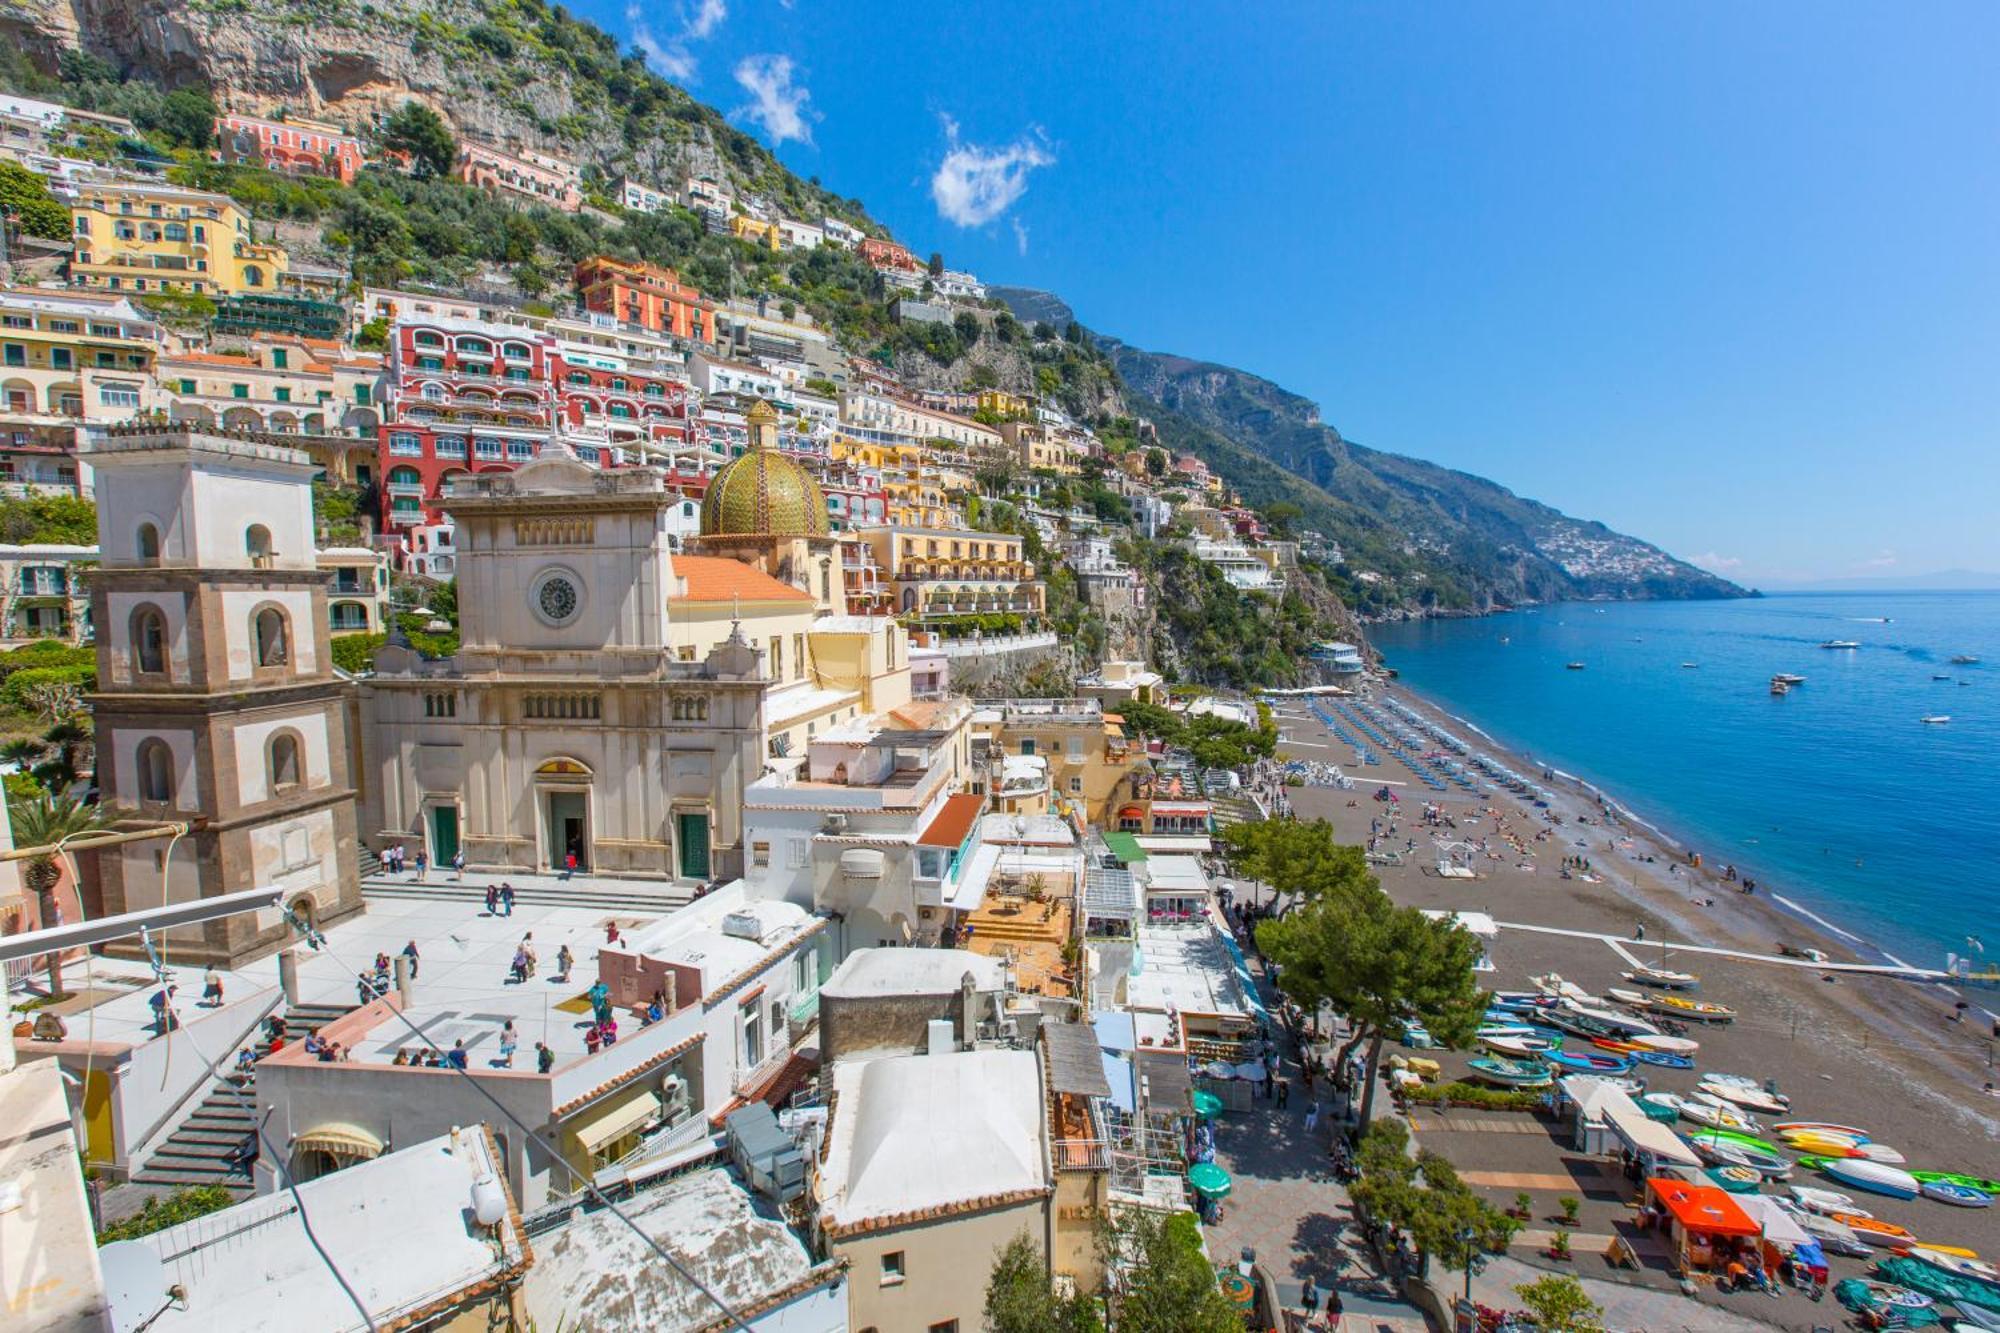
pixel 595 1274
pixel 914 1132
pixel 912 972
pixel 399 1228
pixel 1186 969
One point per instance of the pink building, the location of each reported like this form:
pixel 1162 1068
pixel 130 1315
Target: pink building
pixel 528 175
pixel 301 147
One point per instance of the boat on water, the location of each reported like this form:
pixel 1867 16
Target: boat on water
pixel 1511 1073
pixel 1780 689
pixel 1664 977
pixel 1681 1007
pixel 1790 678
pixel 1840 643
pixel 1573 666
pixel 1965 659
pixel 1936 720
pixel 1690 666
pixel 1874 1177
pixel 1939 676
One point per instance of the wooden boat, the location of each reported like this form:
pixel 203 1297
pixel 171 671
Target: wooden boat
pixel 1679 1006
pixel 1875 1177
pixel 1980 1183
pixel 1582 1062
pixel 1750 1098
pixel 1511 1073
pixel 1875 1231
pixel 1826 1202
pixel 1665 978
pixel 1961 1196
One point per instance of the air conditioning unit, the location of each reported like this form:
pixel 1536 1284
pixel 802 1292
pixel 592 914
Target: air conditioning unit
pixel 835 824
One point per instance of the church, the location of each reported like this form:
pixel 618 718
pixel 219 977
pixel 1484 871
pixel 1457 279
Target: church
pixel 612 698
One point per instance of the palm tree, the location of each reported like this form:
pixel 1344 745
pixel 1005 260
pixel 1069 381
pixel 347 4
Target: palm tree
pixel 69 740
pixel 24 752
pixel 44 821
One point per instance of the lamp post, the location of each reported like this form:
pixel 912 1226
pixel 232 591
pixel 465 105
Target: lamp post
pixel 1466 1237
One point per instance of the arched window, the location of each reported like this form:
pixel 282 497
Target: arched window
pixel 272 649
pixel 253 276
pixel 149 640
pixel 156 771
pixel 257 545
pixel 286 767
pixel 149 544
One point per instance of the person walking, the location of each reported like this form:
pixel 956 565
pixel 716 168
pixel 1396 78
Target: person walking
pixel 508 1042
pixel 1309 1298
pixel 1312 1118
pixel 423 864
pixel 211 989
pixel 492 900
pixel 1284 1092
pixel 458 864
pixel 410 952
pixel 564 960
pixel 506 898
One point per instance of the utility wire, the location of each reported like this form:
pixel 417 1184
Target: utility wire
pixel 306 1223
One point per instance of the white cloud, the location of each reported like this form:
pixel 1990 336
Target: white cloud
pixel 779 105
pixel 670 55
pixel 1020 234
pixel 1719 564
pixel 1882 561
pixel 975 185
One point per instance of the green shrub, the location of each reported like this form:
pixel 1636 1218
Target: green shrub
pixel 1473 1095
pixel 183 1205
pixel 355 653
pixel 15 693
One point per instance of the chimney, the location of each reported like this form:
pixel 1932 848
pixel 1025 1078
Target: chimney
pixel 968 1007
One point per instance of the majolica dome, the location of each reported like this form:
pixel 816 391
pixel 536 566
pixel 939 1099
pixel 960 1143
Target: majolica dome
pixel 764 493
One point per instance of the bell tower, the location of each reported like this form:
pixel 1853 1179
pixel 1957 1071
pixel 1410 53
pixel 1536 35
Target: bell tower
pixel 217 699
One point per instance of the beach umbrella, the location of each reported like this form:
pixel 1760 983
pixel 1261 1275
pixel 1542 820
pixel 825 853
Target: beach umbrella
pixel 1209 1180
pixel 1207 1105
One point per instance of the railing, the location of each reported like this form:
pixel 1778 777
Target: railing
pixel 1080 1155
pixel 806 1008
pixel 744 1079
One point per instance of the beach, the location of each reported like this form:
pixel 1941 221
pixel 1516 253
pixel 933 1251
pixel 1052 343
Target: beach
pixel 1859 1049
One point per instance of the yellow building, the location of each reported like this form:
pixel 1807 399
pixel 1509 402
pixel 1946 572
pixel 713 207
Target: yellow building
pixel 1036 449
pixel 1087 755
pixel 138 237
pixel 1001 403
pixel 756 231
pixel 68 357
pixel 939 573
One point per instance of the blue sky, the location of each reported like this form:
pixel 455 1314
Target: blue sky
pixel 1722 275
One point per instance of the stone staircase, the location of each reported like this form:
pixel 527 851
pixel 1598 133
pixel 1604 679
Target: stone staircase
pixel 198 1152
pixel 441 888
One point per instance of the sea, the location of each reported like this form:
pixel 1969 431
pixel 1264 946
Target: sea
pixel 1837 798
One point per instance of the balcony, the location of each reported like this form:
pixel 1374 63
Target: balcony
pixel 1080 1155
pixel 409 490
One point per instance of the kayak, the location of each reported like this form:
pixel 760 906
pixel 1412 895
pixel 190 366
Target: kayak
pixel 1873 1177
pixel 1875 1231
pixel 1962 1196
pixel 1980 1183
pixel 1819 1126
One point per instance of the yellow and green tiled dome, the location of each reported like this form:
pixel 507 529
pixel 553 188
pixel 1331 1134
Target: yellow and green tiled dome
pixel 763 493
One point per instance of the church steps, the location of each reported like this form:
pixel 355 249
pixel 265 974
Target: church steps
pixel 650 901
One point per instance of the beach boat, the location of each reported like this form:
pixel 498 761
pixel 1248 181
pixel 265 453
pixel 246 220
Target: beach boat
pixel 1660 1041
pixel 1582 1062
pixel 1821 1127
pixel 1826 1202
pixel 1980 1183
pixel 1973 1270
pixel 1731 1152
pixel 1877 1232
pixel 1703 1110
pixel 1840 643
pixel 1681 1007
pixel 1833 1149
pixel 1511 1073
pixel 1523 1047
pixel 1837 1237
pixel 1939 720
pixel 1749 1098
pixel 1875 1177
pixel 1663 1059
pixel 1737 1179
pixel 1665 978
pixel 1960 1196
pixel 1796 951
pixel 1886 1296
pixel 1633 998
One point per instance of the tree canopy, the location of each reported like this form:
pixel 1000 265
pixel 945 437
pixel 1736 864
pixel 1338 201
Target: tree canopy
pixel 26 195
pixel 1169 1286
pixel 1021 1299
pixel 415 129
pixel 1560 1305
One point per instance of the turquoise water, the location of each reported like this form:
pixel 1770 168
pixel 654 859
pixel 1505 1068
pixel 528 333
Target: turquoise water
pixel 1836 797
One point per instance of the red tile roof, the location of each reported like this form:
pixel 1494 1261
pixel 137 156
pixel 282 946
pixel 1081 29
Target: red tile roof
pixel 714 578
pixel 954 821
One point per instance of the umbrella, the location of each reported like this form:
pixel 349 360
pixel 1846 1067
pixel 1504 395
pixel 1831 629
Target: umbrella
pixel 1238 1289
pixel 1209 1180
pixel 1207 1105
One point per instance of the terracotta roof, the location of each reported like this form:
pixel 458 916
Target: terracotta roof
pixel 713 578
pixel 954 821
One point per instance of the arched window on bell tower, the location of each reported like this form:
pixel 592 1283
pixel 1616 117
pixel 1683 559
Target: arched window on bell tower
pixel 286 766
pixel 149 544
pixel 156 772
pixel 257 545
pixel 149 641
pixel 272 634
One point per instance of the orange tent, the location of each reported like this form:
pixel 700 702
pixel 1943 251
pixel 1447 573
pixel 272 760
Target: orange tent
pixel 1703 1208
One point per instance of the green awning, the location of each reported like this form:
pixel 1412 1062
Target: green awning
pixel 1125 846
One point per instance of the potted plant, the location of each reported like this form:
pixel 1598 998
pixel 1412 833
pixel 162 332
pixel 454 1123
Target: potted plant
pixel 1569 1204
pixel 1524 1206
pixel 1559 1246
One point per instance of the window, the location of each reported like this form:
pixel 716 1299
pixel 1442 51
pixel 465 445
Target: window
pixel 257 545
pixel 16 354
pixel 760 856
pixel 284 395
pixel 440 705
pixel 253 276
pixel 271 637
pixel 149 544
pixel 448 446
pixel 61 358
pixel 406 444
pixel 944 1326
pixel 892 1267
pixel 149 641
pixel 156 778
pixel 187 386
pixel 285 766
pixel 1075 785
pixel 753 1035
pixel 239 391
pixel 278 357
pixel 119 395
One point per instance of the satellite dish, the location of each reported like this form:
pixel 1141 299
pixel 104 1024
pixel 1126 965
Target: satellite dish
pixel 135 1283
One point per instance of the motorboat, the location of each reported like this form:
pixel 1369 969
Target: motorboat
pixel 1789 678
pixel 1780 689
pixel 1690 666
pixel 1511 1073
pixel 1877 1232
pixel 1826 1202
pixel 1573 666
pixel 1524 1046
pixel 1936 720
pixel 1749 1098
pixel 1626 997
pixel 1961 1196
pixel 1821 1126
pixel 1965 659
pixel 1838 1237
pixel 1664 977
pixel 1731 1152
pixel 1874 1177
pixel 1840 643
pixel 1581 1062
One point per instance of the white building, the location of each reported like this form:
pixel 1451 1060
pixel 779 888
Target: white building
pixel 642 198
pixel 713 375
pixel 843 234
pixel 1239 565
pixel 958 284
pixel 880 411
pixel 798 235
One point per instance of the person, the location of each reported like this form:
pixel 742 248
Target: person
pixel 545 1059
pixel 457 1057
pixel 1284 1092
pixel 402 1056
pixel 1309 1298
pixel 163 1008
pixel 1312 1117
pixel 314 1044
pixel 211 989
pixel 608 1029
pixel 458 864
pixel 654 1011
pixel 492 900
pixel 529 950
pixel 507 1044
pixel 592 1038
pixel 517 971
pixel 246 1065
pixel 423 863
pixel 410 952
pixel 564 958
pixel 599 996
pixel 569 864
pixel 611 932
pixel 506 898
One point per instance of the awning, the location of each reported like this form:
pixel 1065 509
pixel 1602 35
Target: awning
pixel 1123 845
pixel 1702 1208
pixel 1641 1134
pixel 1074 1063
pixel 1779 1228
pixel 1181 808
pixel 861 863
pixel 614 1118
pixel 1132 812
pixel 342 1140
pixel 954 820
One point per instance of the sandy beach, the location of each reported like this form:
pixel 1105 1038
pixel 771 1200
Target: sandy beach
pixel 1864 1050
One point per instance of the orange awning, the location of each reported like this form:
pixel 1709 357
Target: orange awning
pixel 1702 1208
pixel 954 820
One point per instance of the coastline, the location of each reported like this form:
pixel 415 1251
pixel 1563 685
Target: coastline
pixel 1843 1044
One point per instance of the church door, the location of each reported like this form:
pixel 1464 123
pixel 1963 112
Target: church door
pixel 444 834
pixel 691 832
pixel 568 830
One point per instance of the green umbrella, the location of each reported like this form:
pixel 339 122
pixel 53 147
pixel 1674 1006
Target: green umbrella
pixel 1209 1180
pixel 1207 1105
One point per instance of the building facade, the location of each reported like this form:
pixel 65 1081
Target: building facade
pixel 300 147
pixel 539 178
pixel 141 237
pixel 647 295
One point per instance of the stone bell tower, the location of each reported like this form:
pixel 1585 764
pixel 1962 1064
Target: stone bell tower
pixel 217 700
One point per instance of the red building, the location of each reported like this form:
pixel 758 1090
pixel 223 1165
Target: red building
pixel 647 295
pixel 889 255
pixel 464 396
pixel 300 147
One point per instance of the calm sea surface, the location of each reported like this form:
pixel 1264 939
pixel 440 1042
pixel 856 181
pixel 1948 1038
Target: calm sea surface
pixel 1837 796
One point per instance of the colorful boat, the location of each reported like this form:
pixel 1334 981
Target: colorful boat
pixel 1716 1115
pixel 1524 1046
pixel 1875 1231
pixel 1511 1073
pixel 1728 1152
pixel 1820 1126
pixel 1582 1062
pixel 1980 1183
pixel 1701 1011
pixel 1961 1196
pixel 1664 1059
pixel 1973 1270
pixel 1875 1177
pixel 1737 1179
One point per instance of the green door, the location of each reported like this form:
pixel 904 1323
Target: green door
pixel 692 834
pixel 444 834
